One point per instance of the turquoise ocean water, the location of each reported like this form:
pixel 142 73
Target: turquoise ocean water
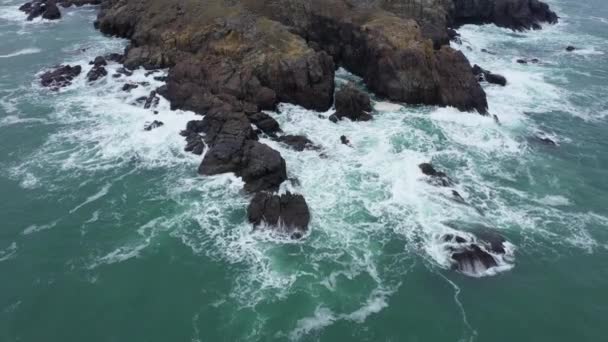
pixel 108 234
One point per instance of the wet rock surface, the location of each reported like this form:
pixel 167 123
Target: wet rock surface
pixel 352 103
pixel 473 254
pixel 514 14
pixel 154 124
pixel 48 9
pixel 439 178
pixel 488 76
pixel 287 213
pixel 60 77
pixel 297 142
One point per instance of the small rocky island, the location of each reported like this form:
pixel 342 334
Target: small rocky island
pixel 230 60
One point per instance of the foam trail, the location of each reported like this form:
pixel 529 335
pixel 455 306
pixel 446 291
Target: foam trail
pixel 9 252
pixel 36 228
pixel 93 198
pixel 28 51
pixel 461 308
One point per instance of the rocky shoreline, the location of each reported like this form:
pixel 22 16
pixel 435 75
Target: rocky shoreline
pixel 231 60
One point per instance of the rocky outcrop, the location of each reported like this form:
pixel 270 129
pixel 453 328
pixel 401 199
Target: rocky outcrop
pixel 487 76
pixel 233 148
pixel 352 103
pixel 154 124
pixel 48 9
pixel 231 60
pixel 60 77
pixel 44 8
pixel 287 214
pixel 514 14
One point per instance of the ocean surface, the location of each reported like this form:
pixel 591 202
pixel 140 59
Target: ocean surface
pixel 107 234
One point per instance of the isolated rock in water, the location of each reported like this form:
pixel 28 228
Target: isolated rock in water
pixel 437 177
pixel 129 86
pixel 287 213
pixel 60 77
pixel 344 140
pixel 96 73
pixel 45 8
pixel 154 124
pixel 570 48
pixel 352 103
pixel 485 75
pixel 297 142
pixel 473 256
pixel 514 14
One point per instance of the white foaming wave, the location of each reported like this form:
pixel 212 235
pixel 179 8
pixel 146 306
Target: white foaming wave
pixel 102 192
pixel 8 252
pixel 15 120
pixel 27 51
pixel 37 228
pixel 104 126
pixel 146 232
pixel 324 317
pixel 555 200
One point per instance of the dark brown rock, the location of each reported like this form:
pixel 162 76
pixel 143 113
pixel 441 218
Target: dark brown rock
pixel 352 103
pixel 287 213
pixel 297 142
pixel 60 77
pixel 514 14
pixel 485 75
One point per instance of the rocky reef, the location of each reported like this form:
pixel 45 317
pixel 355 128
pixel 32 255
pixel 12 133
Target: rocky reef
pixel 229 60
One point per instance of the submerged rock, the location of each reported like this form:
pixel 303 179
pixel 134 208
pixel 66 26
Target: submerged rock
pixel 129 86
pixel 436 177
pixel 287 213
pixel 477 253
pixel 154 124
pixel 60 77
pixel 570 48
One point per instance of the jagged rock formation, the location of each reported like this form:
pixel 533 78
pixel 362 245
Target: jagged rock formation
pixel 288 212
pixel 47 9
pixel 231 59
pixel 514 14
pixel 60 77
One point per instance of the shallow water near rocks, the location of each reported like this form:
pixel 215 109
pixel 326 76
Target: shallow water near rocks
pixel 108 234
